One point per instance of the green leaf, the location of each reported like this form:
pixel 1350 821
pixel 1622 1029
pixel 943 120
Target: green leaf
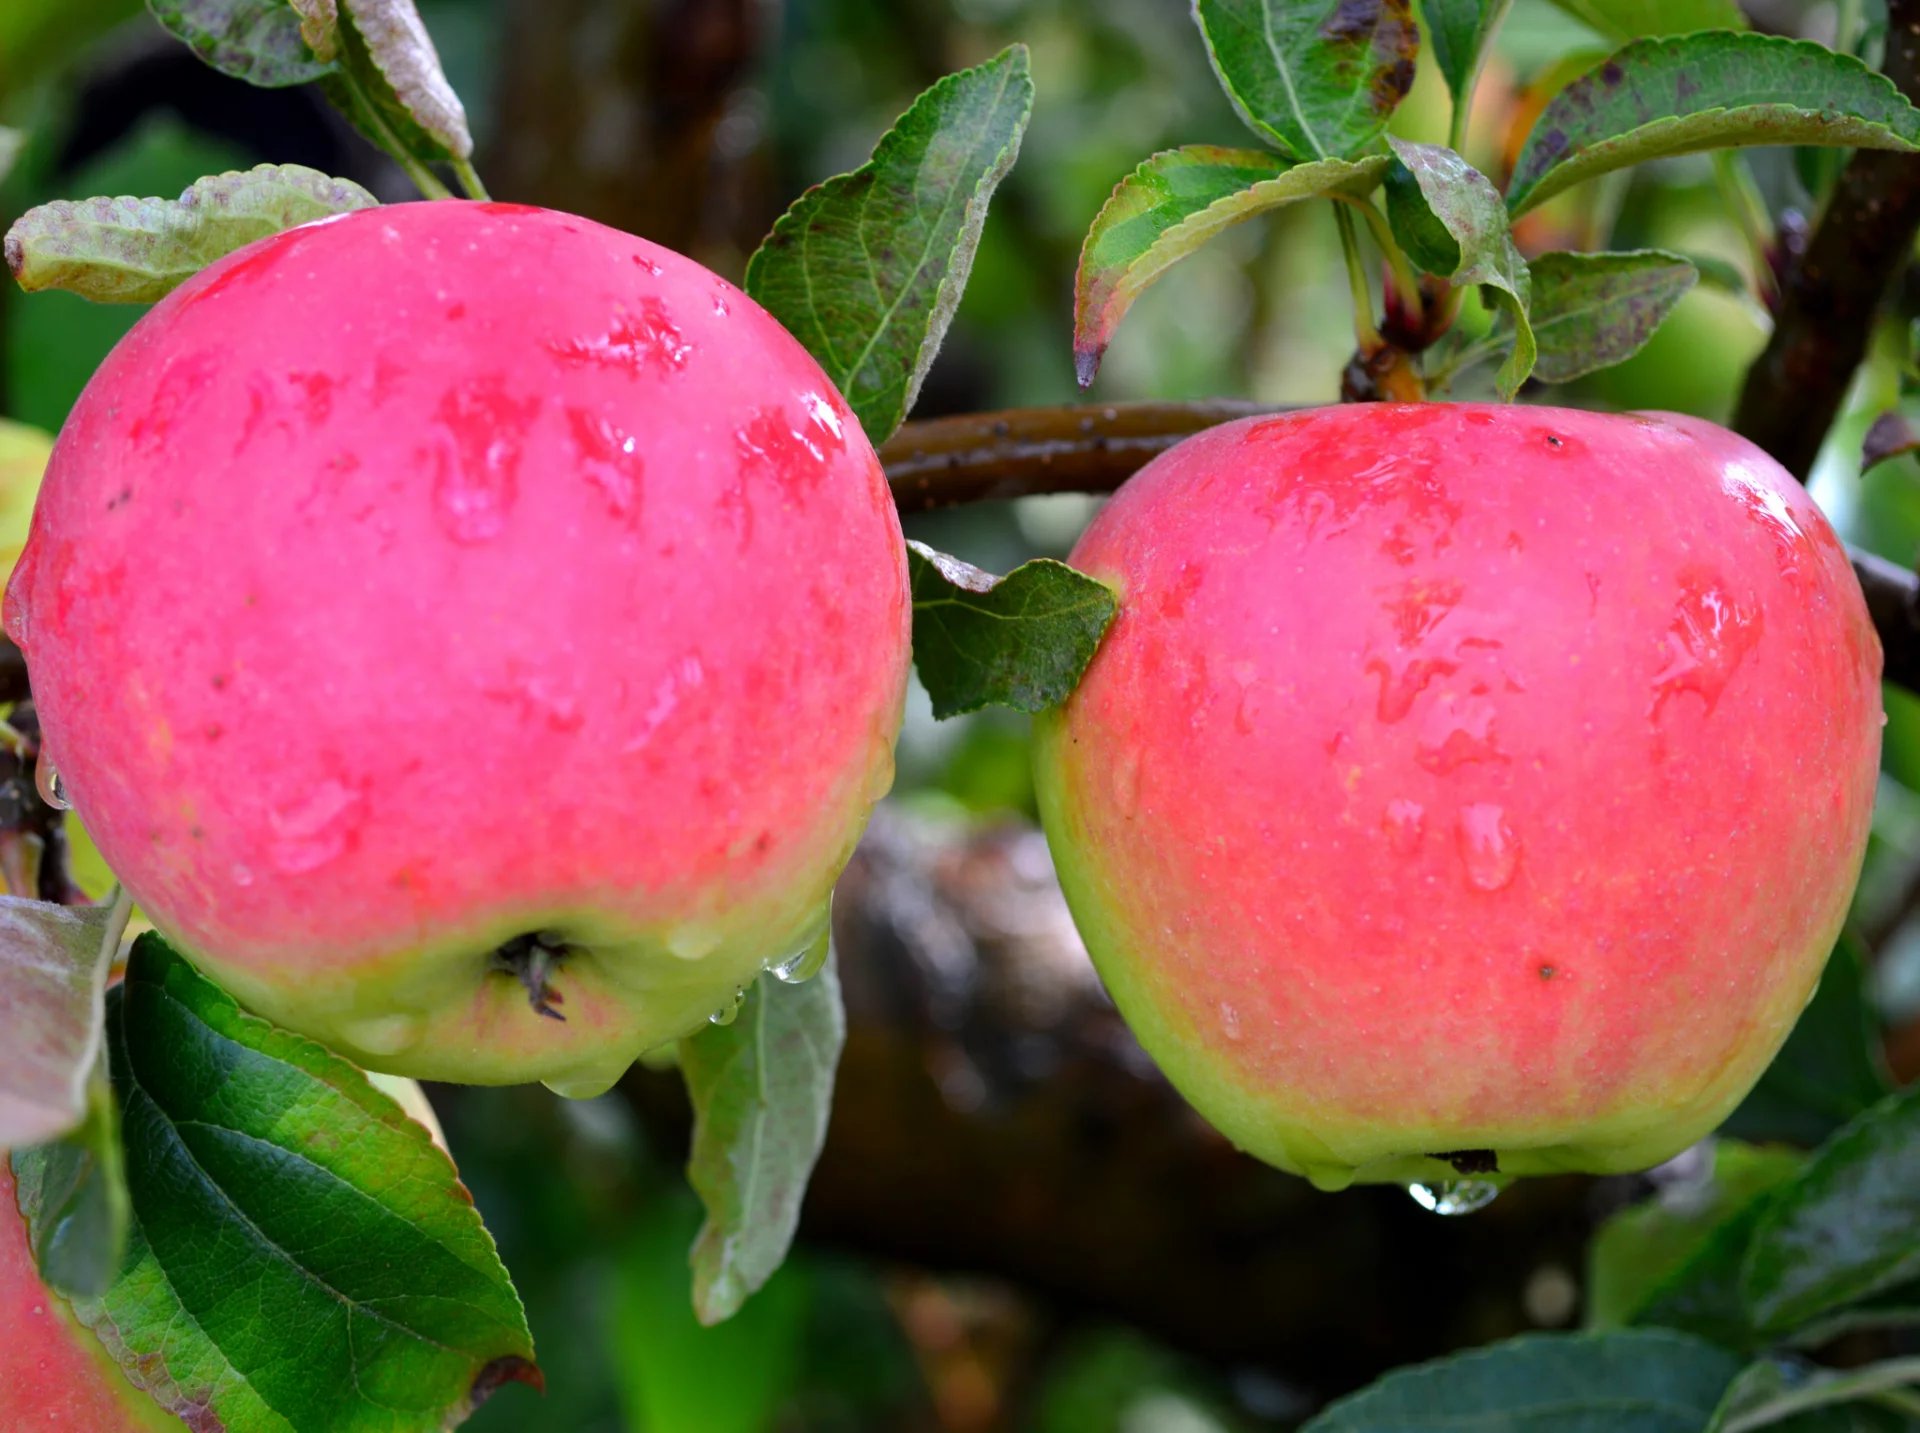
pixel 1793 1397
pixel 1826 1073
pixel 1704 1296
pixel 1315 78
pixel 388 53
pixel 1638 1249
pixel 302 1254
pixel 258 41
pixel 762 1090
pixel 1591 311
pixel 1846 1229
pixel 1171 205
pixel 1020 641
pixel 1650 1382
pixel 1635 19
pixel 1461 32
pixel 676 1375
pixel 1449 217
pixel 53 975
pixel 80 1185
pixel 1658 98
pixel 139 250
pixel 867 269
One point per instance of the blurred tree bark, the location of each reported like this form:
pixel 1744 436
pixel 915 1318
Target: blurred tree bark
pixel 642 114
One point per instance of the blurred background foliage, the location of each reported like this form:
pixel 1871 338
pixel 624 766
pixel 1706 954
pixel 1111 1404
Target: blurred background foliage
pixel 695 122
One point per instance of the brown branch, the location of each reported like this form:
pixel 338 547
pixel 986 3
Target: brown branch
pixel 944 462
pixel 1829 297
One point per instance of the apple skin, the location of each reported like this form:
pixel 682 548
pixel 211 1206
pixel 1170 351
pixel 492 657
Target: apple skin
pixel 54 1375
pixel 441 574
pixel 1465 779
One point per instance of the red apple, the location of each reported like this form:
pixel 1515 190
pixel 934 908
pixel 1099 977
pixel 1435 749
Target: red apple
pixel 1462 787
pixel 54 1375
pixel 450 598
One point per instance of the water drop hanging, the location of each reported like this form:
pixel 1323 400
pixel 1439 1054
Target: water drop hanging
pixel 729 1012
pixel 53 790
pixel 1454 1196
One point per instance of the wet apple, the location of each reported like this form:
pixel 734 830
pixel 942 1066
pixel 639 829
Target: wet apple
pixel 475 636
pixel 1462 789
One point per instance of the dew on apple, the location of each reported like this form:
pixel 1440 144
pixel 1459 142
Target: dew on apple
pixel 1406 824
pixel 46 777
pixel 1488 847
pixel 729 1012
pixel 802 965
pixel 1454 1196
pixel 809 953
pixel 384 1034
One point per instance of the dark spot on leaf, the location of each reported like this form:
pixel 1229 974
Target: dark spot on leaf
pixel 1352 20
pixel 502 1371
pixel 1611 74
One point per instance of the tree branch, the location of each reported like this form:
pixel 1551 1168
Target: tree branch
pixel 1828 298
pixel 943 462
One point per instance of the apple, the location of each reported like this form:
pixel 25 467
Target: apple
pixel 475 636
pixel 1465 789
pixel 54 1374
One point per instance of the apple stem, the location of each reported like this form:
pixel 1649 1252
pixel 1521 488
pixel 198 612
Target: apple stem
pixel 1364 333
pixel 531 959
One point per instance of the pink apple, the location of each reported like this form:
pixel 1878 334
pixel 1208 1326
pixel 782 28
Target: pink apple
pixel 1465 788
pixel 452 616
pixel 54 1374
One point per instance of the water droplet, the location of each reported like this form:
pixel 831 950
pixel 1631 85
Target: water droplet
pixel 1229 1020
pixel 1328 1178
pixel 693 941
pixel 682 677
pixel 242 875
pixel 313 829
pixel 53 790
pixel 1488 848
pixel 1710 635
pixel 1405 824
pixel 773 448
pixel 477 473
pixel 803 964
pixel 1457 730
pixel 383 1034
pixel 730 1012
pixel 610 460
pixel 642 340
pixel 587 1083
pixel 720 305
pixel 809 951
pixel 1454 1196
pixel 1767 505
